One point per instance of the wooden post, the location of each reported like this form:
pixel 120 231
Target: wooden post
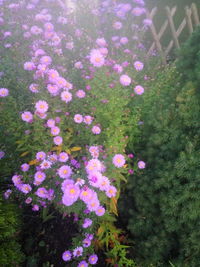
pixel 156 38
pixel 195 14
pixel 188 14
pixel 172 27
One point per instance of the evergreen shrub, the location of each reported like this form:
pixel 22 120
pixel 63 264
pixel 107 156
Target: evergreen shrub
pixel 163 199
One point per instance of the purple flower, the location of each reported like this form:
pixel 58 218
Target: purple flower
pixel 27 116
pixel 41 106
pixel 25 167
pixel 139 90
pixel 25 188
pixel 2 154
pixel 66 256
pixel 138 65
pixel 65 172
pixel 87 223
pixel 96 58
pixel 141 164
pixel 96 129
pixel 83 264
pixel 78 118
pixel 118 160
pixel 71 194
pixel 125 80
pixel 7 193
pixel 4 92
pixel 93 259
pixel 42 192
pixel 40 155
pixel 66 96
pixel 29 66
pixel 77 252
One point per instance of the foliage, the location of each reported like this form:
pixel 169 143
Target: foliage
pixel 10 222
pixel 162 200
pixel 56 54
pixel 188 63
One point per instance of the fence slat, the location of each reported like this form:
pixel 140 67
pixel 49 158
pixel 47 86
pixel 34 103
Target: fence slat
pixel 153 12
pixel 195 14
pixel 181 27
pixel 161 32
pixel 188 14
pixel 156 39
pixel 172 27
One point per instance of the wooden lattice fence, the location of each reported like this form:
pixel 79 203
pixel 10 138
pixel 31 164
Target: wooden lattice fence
pixel 191 20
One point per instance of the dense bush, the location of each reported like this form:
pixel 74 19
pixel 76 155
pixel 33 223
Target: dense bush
pixel 163 200
pixel 10 249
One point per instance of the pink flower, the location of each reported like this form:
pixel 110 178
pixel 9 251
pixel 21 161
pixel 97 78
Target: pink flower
pixel 80 94
pixel 87 223
pixel 35 208
pixel 71 194
pixel 66 96
pixel 125 80
pixel 96 58
pixel 41 192
pixel 78 118
pixel 27 116
pixel 25 167
pixel 25 188
pixel 58 140
pixel 104 183
pixel 124 40
pixel 63 157
pixel 39 177
pixel 117 25
pixel 55 130
pixel 93 204
pixel 93 165
pixel 101 42
pixel 65 172
pixel 88 120
pixel 53 75
pixel 48 26
pixel 118 160
pixel 86 243
pixel 111 191
pixel 53 89
pixel 29 66
pixel 95 178
pixel 96 129
pixel 138 11
pixel 139 90
pixel 94 151
pixel 46 164
pixel 40 155
pixel 34 88
pixel 4 92
pixel 100 211
pixel 61 82
pixel 41 106
pixel 78 65
pixel 138 65
pixel 46 60
pixel 51 123
pixel 141 164
pixel 86 194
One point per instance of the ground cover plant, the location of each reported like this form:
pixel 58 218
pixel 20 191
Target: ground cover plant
pixel 67 81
